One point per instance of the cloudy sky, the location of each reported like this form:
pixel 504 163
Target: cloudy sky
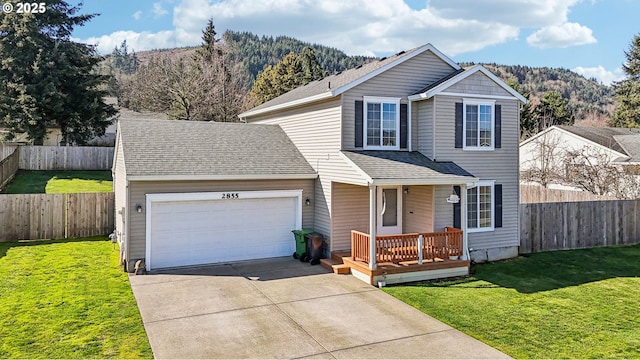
pixel 587 36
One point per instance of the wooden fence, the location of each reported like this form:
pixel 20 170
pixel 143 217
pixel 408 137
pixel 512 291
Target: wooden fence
pixel 55 216
pixel 6 150
pixel 8 167
pixel 65 158
pixel 574 225
pixel 540 194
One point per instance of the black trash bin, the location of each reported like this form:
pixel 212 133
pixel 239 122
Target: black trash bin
pixel 316 241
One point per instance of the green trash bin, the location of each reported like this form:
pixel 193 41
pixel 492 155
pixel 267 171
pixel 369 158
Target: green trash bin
pixel 301 242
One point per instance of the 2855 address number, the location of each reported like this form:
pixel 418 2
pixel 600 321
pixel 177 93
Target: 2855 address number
pixel 230 196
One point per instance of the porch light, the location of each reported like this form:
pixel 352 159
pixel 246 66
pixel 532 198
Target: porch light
pixel 406 190
pixel 307 202
pixel 139 208
pixel 453 199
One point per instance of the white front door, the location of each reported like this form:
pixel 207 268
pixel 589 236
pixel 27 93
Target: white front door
pixel 389 210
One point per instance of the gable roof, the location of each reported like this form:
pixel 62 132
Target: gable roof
pixel 442 85
pixel 604 136
pixel 625 141
pixel 197 150
pixel 394 167
pixel 336 84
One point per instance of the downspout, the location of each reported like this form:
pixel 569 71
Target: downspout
pixel 372 227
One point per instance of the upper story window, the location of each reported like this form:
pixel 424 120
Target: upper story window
pixel 479 120
pixel 381 123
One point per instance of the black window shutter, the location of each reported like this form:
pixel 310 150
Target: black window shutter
pixel 457 215
pixel 459 111
pixel 497 188
pixel 498 129
pixel 358 124
pixel 403 126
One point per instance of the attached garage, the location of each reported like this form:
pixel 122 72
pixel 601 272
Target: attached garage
pixel 192 193
pixel 205 228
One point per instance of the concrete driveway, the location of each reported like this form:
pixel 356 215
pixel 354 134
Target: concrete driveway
pixel 281 308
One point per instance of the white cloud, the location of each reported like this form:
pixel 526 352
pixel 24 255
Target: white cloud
pixel 136 15
pixel 370 27
pixel 607 77
pixel 158 10
pixel 561 36
pixel 135 41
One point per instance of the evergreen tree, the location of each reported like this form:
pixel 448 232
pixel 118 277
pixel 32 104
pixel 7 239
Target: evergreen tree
pixel 293 71
pixel 123 60
pixel 552 110
pixel 47 78
pixel 528 124
pixel 627 113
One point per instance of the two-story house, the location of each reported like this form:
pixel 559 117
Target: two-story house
pixel 410 144
pixel 408 166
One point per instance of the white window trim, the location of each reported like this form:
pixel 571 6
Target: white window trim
pixel 478 102
pixel 490 183
pixel 388 100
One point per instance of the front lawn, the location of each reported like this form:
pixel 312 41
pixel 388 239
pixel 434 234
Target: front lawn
pixel 60 182
pixel 67 299
pixel 564 304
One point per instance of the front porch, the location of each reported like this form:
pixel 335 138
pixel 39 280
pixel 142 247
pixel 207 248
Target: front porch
pixel 398 258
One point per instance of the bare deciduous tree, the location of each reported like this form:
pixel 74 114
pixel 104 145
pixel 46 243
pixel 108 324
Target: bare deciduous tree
pixel 543 165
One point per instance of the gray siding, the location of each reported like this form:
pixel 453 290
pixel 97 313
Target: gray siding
pixel 120 191
pixel 478 83
pixel 424 124
pixel 418 209
pixel 315 130
pixel 443 215
pixel 350 209
pixel 400 82
pixel 500 165
pixel 139 189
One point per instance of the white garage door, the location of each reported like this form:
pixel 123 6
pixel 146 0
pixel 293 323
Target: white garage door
pixel 206 228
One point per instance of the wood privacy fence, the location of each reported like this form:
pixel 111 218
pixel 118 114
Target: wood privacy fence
pixel 540 194
pixel 574 225
pixel 6 150
pixel 8 168
pixel 55 216
pixel 65 158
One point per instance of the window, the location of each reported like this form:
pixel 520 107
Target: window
pixel 478 125
pixel 480 201
pixel 381 123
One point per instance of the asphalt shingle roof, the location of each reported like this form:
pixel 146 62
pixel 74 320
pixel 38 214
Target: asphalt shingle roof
pixel 404 165
pixel 174 147
pixel 610 137
pixel 332 82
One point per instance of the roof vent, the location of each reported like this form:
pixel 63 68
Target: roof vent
pixel 400 53
pixel 382 59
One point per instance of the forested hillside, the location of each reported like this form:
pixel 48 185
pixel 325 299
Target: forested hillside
pixel 247 55
pixel 589 100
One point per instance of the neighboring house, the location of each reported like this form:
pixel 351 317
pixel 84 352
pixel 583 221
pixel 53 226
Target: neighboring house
pixel 550 149
pixel 53 137
pixel 230 192
pixel 396 143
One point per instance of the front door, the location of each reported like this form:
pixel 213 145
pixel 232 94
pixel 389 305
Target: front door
pixel 389 210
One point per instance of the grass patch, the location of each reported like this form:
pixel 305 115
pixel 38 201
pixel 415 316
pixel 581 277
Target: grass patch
pixel 67 299
pixel 60 182
pixel 563 304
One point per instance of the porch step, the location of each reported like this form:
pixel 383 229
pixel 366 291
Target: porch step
pixel 335 266
pixel 338 255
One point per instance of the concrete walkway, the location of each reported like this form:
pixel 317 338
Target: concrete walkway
pixel 281 308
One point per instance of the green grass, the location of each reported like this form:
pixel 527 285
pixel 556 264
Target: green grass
pixel 67 299
pixel 564 304
pixel 60 182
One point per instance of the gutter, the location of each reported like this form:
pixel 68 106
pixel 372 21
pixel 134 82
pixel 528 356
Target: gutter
pixel 220 177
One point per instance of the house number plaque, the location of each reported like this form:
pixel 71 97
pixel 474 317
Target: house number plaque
pixel 230 196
